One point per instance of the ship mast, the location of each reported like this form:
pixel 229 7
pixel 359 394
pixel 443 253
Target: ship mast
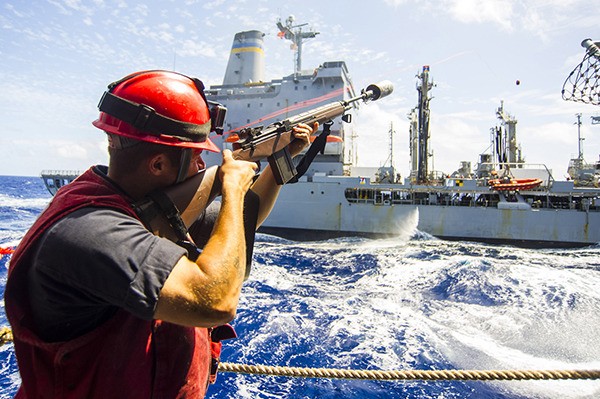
pixel 420 129
pixel 296 36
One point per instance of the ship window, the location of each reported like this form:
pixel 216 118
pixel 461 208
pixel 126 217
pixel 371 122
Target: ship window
pixel 247 120
pixel 248 105
pixel 296 88
pixel 279 104
pixel 304 87
pixel 261 104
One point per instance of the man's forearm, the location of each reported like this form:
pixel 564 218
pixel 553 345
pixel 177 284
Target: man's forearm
pixel 268 191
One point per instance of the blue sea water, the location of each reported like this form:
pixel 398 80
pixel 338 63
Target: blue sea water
pixel 388 304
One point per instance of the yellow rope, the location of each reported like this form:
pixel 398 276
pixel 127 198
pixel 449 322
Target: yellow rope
pixel 481 375
pixel 305 372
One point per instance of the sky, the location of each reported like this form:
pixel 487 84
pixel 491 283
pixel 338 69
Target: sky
pixel 59 55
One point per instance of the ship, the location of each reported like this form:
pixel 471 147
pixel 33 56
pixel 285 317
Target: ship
pixel 500 200
pixel 55 179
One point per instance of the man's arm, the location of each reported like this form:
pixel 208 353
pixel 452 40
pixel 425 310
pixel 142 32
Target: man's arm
pixel 265 186
pixel 206 293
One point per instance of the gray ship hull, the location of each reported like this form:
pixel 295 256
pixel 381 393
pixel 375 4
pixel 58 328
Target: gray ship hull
pixel 535 227
pixel 317 209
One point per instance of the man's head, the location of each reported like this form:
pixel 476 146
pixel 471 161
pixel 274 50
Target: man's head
pixel 163 108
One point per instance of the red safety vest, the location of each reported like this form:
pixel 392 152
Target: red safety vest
pixel 126 357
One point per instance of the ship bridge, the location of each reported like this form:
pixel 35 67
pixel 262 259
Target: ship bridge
pixel 251 101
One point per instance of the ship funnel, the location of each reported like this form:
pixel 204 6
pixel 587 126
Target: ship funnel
pixel 247 59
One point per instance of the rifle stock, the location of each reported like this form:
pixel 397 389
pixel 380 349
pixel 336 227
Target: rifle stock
pixel 190 198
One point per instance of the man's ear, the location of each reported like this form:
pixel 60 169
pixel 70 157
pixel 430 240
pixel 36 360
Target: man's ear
pixel 157 164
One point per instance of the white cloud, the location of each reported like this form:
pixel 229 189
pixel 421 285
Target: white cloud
pixel 499 12
pixel 372 126
pixel 213 4
pixel 18 13
pixel 542 18
pixel 72 150
pixel 141 10
pixel 397 3
pixel 68 6
pixel 193 48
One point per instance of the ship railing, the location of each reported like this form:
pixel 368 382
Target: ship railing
pixel 409 196
pixel 56 172
pixel 454 198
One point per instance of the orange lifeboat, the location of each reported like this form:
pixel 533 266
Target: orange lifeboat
pixel 513 184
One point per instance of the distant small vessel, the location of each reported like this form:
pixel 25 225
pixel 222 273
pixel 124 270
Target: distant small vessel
pixel 55 179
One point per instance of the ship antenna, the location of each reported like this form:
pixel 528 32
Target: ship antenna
pixel 579 138
pixel 391 155
pixel 296 36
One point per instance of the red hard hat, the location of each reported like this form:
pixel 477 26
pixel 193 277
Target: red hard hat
pixel 160 107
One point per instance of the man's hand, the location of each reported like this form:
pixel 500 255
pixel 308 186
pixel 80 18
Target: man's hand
pixel 302 134
pixel 236 175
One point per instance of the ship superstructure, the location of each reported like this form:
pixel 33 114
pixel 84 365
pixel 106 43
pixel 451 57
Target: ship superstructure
pixel 581 172
pixel 337 198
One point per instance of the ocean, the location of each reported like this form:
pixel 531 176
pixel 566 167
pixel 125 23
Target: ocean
pixel 400 303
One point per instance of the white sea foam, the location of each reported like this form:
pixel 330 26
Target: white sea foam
pixel 18 203
pixel 469 305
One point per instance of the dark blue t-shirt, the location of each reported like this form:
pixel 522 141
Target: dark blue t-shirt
pixel 94 261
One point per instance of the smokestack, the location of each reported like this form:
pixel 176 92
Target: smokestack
pixel 247 59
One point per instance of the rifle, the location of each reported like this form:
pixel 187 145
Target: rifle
pixel 171 212
pixel 257 143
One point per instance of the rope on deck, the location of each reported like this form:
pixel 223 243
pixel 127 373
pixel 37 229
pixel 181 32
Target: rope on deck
pixel 6 336
pixel 429 375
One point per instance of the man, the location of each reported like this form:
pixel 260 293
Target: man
pixel 99 306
